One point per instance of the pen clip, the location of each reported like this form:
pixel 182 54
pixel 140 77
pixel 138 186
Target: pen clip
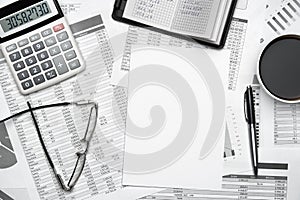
pixel 245 105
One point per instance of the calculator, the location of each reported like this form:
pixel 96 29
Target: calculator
pixel 38 44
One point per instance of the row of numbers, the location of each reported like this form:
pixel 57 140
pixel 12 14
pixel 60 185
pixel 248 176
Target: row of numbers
pixel 26 16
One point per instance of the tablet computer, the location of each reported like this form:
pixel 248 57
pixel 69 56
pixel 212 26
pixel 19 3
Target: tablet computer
pixel 206 22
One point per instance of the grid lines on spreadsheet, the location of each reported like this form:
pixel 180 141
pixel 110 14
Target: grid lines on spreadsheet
pixel 156 11
pixel 192 16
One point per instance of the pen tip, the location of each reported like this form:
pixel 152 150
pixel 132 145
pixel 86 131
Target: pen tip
pixel 255 171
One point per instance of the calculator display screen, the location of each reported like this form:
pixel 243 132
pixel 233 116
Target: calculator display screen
pixel 25 16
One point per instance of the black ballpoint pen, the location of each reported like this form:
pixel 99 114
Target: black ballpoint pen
pixel 250 118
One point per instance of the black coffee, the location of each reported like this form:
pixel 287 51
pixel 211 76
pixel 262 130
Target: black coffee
pixel 279 67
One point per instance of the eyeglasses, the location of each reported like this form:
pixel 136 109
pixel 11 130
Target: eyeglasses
pixel 85 141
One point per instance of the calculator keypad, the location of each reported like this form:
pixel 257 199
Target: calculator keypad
pixel 70 55
pixel 54 51
pixel 50 41
pixel 15 56
pixel 22 43
pixel 47 65
pixel 66 46
pixel 44 56
pixel 23 75
pixel 30 61
pixel 19 65
pixel 11 48
pixel 38 46
pixel 46 32
pixel 74 64
pixel 62 36
pixel 51 74
pixel 34 37
pixel 58 27
pixel 39 79
pixel 60 65
pixel 27 84
pixel 35 70
pixel 27 51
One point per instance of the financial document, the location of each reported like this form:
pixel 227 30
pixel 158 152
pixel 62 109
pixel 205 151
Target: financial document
pixel 234 187
pixel 277 180
pixel 244 76
pixel 235 43
pixel 242 65
pixel 280 127
pixel 186 107
pixel 102 173
pixel 76 9
pixel 197 18
pixel 282 17
pixel 139 36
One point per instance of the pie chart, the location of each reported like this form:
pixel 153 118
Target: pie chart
pixel 7 156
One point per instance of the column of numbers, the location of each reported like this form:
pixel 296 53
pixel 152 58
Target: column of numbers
pixel 235 43
pixel 156 11
pixel 286 129
pixel 192 16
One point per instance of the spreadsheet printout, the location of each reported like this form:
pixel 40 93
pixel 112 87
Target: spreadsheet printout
pixel 47 187
pixel 280 123
pixel 282 17
pixel 286 124
pixel 236 38
pixel 234 187
pixel 197 17
pixel 235 43
pixel 102 173
pixel 240 37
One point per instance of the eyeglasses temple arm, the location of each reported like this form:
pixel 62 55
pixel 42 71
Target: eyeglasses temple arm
pixel 45 149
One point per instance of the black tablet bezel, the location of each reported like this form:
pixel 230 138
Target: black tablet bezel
pixel 120 5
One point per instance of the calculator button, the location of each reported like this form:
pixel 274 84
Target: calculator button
pixel 60 65
pixel 27 84
pixel 23 75
pixel 54 51
pixel 58 27
pixel 47 32
pixel 66 46
pixel 11 48
pixel 62 36
pixel 34 37
pixel 42 56
pixel 47 65
pixel 23 42
pixel 27 51
pixel 39 79
pixel 50 41
pixel 70 55
pixel 19 65
pixel 30 61
pixel 38 46
pixel 74 64
pixel 35 70
pixel 51 74
pixel 15 56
